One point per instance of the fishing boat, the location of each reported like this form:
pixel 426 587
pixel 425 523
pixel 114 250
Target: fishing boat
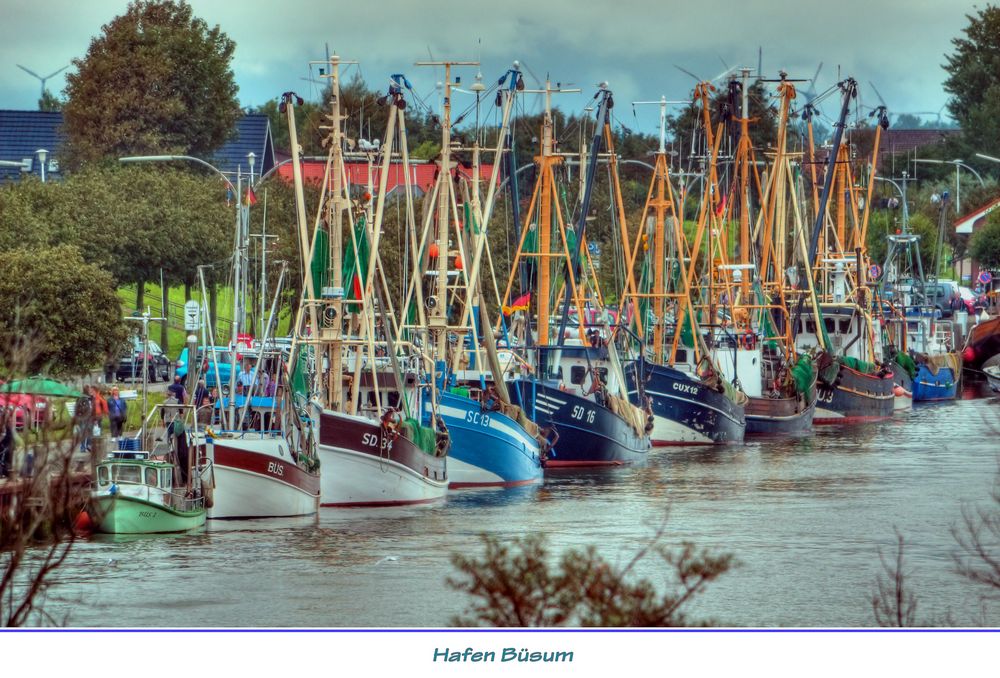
pixel 993 377
pixel 492 443
pixel 259 473
pixel 261 448
pixel 364 401
pixel 675 371
pixel 166 489
pixel 921 342
pixel 982 343
pixel 134 494
pixel 839 326
pixel 570 378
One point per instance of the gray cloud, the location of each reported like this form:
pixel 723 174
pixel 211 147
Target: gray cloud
pixel 897 44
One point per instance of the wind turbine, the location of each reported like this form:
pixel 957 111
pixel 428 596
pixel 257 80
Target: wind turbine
pixel 50 75
pixel 811 90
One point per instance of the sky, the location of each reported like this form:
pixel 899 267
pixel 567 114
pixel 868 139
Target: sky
pixel 636 46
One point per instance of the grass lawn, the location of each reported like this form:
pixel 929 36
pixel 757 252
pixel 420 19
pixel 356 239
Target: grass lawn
pixel 176 336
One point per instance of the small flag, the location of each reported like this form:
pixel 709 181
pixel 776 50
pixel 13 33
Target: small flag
pixel 251 197
pixel 721 208
pixel 519 304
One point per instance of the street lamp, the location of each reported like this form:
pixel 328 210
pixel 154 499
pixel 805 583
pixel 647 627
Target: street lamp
pixel 251 157
pixel 42 156
pixel 958 179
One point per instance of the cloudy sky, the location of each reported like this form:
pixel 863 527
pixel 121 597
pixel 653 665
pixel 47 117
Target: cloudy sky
pixel 634 45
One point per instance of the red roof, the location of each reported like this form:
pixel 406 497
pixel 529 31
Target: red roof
pixel 422 175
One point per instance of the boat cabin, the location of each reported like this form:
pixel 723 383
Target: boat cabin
pixel 846 328
pixel 134 474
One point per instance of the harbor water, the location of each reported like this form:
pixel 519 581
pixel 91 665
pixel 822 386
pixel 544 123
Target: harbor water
pixel 805 517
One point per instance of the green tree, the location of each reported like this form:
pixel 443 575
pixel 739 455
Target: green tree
pixel 50 102
pixel 65 309
pixel 974 81
pixel 157 80
pixel 516 585
pixel 984 245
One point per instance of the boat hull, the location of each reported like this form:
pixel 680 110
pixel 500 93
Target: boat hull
pixel 779 416
pixel 855 397
pixel 364 466
pixel 589 434
pixel 488 448
pixel 118 514
pixel 993 378
pixel 685 412
pixel 903 389
pixel 255 477
pixel 930 386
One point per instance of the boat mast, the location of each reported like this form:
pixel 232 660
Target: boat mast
pixel 543 213
pixel 849 88
pixel 573 268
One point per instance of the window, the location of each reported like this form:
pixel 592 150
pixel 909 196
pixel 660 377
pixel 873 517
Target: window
pixel 126 474
pixel 102 475
pixel 810 327
pixel 151 476
pixel 830 325
pixel 577 374
pixel 603 373
pixel 845 325
pixel 165 479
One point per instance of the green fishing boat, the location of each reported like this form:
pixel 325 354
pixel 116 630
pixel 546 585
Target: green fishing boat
pixel 134 494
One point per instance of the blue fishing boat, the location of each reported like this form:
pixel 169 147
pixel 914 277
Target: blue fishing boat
pixel 488 447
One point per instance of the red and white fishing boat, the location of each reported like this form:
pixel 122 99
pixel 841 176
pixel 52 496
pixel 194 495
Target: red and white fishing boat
pixel 257 476
pixel 375 466
pixel 365 413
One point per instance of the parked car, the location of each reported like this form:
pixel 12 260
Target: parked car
pixel 223 360
pixel 939 293
pixel 29 410
pixel 130 362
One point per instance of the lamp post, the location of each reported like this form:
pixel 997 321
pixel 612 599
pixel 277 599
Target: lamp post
pixel 958 178
pixel 42 154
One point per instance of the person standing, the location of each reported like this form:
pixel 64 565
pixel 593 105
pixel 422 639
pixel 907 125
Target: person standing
pixel 6 443
pixel 245 379
pixel 117 413
pixel 83 414
pixel 177 390
pixel 200 393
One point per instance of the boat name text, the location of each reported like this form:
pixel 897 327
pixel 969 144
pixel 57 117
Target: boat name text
pixel 275 468
pixel 685 388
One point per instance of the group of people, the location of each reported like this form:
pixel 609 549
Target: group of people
pixel 90 410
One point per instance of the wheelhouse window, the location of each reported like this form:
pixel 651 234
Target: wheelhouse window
pixel 126 474
pixel 103 477
pixel 151 476
pixel 577 374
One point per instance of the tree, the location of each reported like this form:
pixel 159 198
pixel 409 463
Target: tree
pixel 894 603
pixel 157 80
pixel 974 80
pixel 984 246
pixel 978 539
pixel 516 586
pixel 66 308
pixel 50 102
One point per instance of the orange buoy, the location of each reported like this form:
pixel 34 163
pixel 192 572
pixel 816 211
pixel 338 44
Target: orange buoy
pixel 83 523
pixel 433 250
pixel 458 263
